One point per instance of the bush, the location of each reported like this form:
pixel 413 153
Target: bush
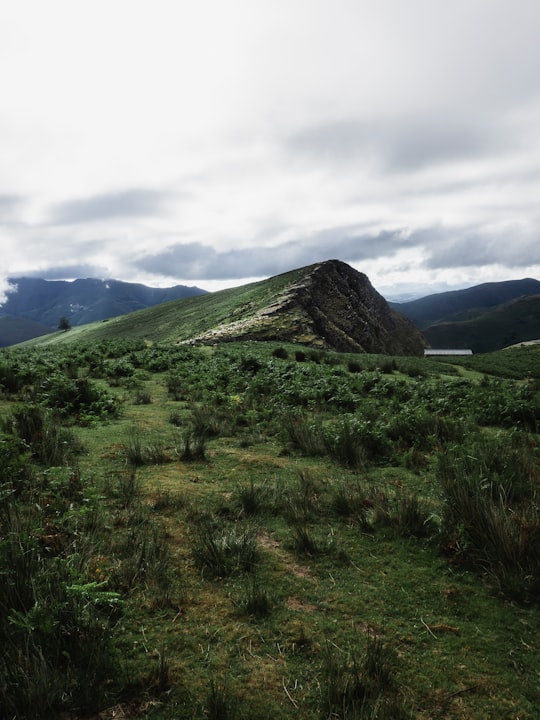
pixel 141 450
pixel 351 501
pixel 251 498
pixel 490 513
pixel 76 397
pixel 49 442
pixel 55 628
pixel 221 550
pixel 303 542
pixel 305 435
pixel 256 600
pixel 191 446
pixel 365 688
pixel 407 513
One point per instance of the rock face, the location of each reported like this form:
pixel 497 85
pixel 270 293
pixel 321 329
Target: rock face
pixel 329 305
pixel 345 310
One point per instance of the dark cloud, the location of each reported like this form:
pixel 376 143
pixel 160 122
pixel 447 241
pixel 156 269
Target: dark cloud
pixel 477 247
pixel 338 142
pixel 129 203
pixel 410 144
pixel 419 144
pixel 9 204
pixel 442 247
pixel 68 272
pixel 195 260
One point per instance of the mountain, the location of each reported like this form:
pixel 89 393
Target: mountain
pixel 37 305
pixel 326 305
pixel 457 305
pixel 483 317
pixel 508 324
pixel 15 330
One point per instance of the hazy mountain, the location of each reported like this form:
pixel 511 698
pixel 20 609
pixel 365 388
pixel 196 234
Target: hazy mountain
pixel 15 330
pixel 508 324
pixel 465 304
pixel 483 317
pixel 37 305
pixel 326 305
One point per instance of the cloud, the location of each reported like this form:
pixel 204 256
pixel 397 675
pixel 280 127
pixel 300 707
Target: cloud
pixel 126 204
pixel 406 145
pixel 69 271
pixel 196 260
pixel 388 133
pixel 9 206
pixel 6 287
pixel 514 246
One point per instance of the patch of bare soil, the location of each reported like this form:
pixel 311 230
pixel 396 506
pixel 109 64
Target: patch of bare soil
pixel 268 542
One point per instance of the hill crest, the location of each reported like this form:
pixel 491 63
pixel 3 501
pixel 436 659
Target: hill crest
pixel 327 305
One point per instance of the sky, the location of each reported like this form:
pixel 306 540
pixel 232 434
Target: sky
pixel 216 142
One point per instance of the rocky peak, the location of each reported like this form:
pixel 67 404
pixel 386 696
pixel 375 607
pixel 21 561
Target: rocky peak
pixel 346 311
pixel 328 305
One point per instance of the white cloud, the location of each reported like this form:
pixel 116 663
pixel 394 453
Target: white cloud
pixel 236 137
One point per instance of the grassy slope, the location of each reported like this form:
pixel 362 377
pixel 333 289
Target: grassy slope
pixel 182 319
pixel 463 652
pixel 516 322
pixel 459 652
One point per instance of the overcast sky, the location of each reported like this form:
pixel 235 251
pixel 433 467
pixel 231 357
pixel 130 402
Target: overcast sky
pixel 212 142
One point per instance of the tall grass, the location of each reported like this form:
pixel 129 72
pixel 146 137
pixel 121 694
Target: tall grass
pixel 221 549
pixel 362 687
pixel 490 511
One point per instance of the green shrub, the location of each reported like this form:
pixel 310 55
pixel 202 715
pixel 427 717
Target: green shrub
pixel 219 703
pixel 490 512
pixel 55 630
pixel 15 468
pixel 142 397
pixel 191 446
pixel 349 500
pixel 220 550
pixel 175 386
pixel 409 514
pixel 256 600
pixel 76 397
pixel 302 502
pixel 145 450
pixel 49 442
pixel 365 688
pixel 305 435
pixel 303 541
pixel 251 498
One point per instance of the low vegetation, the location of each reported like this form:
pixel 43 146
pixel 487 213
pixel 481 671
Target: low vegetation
pixel 262 530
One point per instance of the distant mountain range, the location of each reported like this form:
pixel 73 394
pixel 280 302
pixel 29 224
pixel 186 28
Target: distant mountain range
pixel 37 305
pixel 483 317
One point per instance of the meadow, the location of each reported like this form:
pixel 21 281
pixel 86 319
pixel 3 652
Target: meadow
pixel 263 530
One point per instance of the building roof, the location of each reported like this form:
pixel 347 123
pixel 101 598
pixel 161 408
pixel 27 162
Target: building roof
pixel 447 351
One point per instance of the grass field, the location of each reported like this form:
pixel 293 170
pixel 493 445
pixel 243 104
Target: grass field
pixel 260 530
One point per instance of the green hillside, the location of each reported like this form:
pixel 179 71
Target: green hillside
pixel 328 304
pixel 467 303
pixel 181 320
pixel 264 530
pixel 517 321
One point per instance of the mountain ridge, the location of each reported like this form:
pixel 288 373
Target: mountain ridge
pixel 326 305
pixel 446 306
pixel 37 305
pixel 484 317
